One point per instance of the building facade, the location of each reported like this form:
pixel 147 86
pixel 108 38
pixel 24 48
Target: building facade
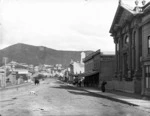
pixel 2 78
pixel 130 31
pixel 92 67
pixel 76 68
pixel 98 68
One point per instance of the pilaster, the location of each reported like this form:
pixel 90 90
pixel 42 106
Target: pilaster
pixel 116 58
pixel 130 54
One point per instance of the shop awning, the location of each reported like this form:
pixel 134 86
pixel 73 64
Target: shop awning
pixel 87 74
pixel 91 73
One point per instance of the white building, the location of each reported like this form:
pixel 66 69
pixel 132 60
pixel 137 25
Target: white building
pixel 76 68
pixel 2 78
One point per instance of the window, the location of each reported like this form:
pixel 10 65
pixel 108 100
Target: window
pixel 126 40
pixel 117 46
pixel 148 44
pixel 147 76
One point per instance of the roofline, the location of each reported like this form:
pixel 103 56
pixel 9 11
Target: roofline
pixel 124 6
pixel 110 31
pixel 90 56
pixel 108 55
pixel 146 5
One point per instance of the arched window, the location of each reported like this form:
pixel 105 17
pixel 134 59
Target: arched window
pixel 147 75
pixel 117 46
pixel 148 44
pixel 126 40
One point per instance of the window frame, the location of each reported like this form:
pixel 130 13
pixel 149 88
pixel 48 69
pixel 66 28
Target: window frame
pixel 147 76
pixel 126 41
pixel 117 46
pixel 148 42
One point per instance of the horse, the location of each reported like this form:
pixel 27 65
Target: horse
pixel 36 81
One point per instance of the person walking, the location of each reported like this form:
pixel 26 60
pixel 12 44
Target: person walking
pixel 103 86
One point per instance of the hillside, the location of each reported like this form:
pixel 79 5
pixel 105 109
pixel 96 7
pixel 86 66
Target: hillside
pixel 36 55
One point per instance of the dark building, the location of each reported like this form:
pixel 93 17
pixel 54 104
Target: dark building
pixel 98 67
pixel 130 30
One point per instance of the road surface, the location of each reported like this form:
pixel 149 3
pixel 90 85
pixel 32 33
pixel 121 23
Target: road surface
pixel 56 98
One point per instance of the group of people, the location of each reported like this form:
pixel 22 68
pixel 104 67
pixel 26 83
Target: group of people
pixel 79 82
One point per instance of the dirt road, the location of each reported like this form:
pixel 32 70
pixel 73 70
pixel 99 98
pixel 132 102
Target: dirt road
pixel 56 98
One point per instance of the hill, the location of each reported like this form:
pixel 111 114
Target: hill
pixel 36 55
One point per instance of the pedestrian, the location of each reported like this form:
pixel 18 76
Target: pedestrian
pixel 35 81
pixel 103 86
pixel 79 83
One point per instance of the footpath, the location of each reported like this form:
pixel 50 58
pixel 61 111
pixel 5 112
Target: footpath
pixel 126 98
pixel 122 97
pixel 15 86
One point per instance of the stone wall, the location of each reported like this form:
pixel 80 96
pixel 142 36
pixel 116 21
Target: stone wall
pixel 121 86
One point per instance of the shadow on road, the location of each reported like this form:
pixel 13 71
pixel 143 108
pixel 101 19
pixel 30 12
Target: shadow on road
pixel 67 87
pixel 59 82
pixel 74 90
pixel 9 100
pixel 77 91
pixel 80 91
pixel 86 93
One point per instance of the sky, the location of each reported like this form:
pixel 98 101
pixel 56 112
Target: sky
pixel 59 24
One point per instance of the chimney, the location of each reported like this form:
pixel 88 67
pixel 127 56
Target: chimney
pixel 83 55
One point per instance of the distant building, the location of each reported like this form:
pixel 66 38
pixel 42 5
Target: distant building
pixel 20 72
pixel 16 73
pixel 2 78
pixel 76 67
pixel 36 69
pixel 83 55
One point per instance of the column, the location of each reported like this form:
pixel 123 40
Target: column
pixel 119 47
pixel 133 53
pixel 143 81
pixel 138 73
pixel 130 55
pixel 121 57
pixel 116 58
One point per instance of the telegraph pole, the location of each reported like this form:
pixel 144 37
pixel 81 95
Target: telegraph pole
pixel 5 60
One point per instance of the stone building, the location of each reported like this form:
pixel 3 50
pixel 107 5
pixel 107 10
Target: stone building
pixel 2 78
pixel 130 30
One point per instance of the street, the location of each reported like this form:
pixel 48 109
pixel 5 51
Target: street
pixel 57 98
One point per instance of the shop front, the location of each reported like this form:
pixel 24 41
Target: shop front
pixel 91 79
pixel 146 79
